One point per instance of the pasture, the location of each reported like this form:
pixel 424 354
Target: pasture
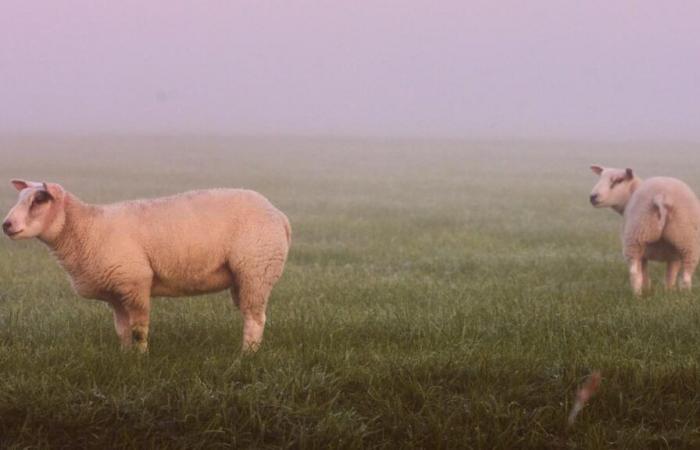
pixel 438 294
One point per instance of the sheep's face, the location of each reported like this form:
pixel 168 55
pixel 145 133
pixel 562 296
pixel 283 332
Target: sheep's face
pixel 37 207
pixel 613 189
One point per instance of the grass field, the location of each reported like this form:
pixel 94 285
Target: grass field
pixel 438 295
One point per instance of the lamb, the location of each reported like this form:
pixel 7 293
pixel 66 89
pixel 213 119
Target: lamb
pixel 661 223
pixel 188 244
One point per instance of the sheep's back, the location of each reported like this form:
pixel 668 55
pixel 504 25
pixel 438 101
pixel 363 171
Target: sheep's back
pixel 191 235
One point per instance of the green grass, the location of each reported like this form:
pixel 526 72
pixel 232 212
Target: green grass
pixel 437 295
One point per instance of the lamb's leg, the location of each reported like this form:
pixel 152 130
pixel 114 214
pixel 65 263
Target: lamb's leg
pixel 672 274
pixel 636 276
pixel 645 275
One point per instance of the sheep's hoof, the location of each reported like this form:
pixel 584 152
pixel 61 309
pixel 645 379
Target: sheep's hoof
pixel 250 348
pixel 139 335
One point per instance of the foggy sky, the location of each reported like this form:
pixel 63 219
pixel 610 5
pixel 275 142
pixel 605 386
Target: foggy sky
pixel 458 68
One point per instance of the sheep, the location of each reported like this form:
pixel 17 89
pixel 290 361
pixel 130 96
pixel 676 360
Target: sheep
pixel 661 223
pixel 192 243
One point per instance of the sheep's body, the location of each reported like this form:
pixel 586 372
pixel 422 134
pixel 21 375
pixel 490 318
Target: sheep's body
pixel 188 244
pixel 662 219
pixel 661 223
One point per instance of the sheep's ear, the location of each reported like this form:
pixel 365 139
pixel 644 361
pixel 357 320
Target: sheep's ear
pixel 597 169
pixel 55 190
pixel 19 184
pixel 23 184
pixel 629 174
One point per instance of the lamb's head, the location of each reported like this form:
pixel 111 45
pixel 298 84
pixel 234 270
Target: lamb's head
pixel 38 212
pixel 613 189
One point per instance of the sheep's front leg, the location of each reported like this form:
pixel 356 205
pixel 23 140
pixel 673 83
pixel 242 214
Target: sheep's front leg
pixel 672 274
pixel 131 319
pixel 636 276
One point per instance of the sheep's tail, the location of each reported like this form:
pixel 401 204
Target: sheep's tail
pixel 662 208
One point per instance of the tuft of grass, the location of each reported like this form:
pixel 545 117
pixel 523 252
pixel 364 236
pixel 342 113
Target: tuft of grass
pixel 439 294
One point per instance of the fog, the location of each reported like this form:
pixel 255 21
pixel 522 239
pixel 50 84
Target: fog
pixel 628 69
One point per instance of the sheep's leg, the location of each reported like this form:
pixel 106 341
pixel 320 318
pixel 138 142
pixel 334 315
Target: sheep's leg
pixel 121 324
pixel 139 319
pixel 252 300
pixel 672 274
pixel 689 265
pixel 646 279
pixel 636 276
pixel 131 317
pixel 254 280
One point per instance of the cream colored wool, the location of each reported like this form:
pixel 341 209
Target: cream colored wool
pixel 188 244
pixel 661 223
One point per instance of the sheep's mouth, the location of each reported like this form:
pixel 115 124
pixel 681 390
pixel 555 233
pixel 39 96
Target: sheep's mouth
pixel 14 233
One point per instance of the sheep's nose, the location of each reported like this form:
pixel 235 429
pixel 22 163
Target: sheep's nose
pixel 6 225
pixel 594 199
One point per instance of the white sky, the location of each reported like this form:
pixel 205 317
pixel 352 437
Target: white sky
pixel 482 68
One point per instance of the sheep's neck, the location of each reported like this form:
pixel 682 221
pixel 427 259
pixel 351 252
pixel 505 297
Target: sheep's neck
pixel 634 184
pixel 70 243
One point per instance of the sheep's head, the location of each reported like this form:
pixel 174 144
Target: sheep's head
pixel 39 210
pixel 614 188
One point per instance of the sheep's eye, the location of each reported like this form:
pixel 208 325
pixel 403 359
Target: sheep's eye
pixel 41 197
pixel 615 183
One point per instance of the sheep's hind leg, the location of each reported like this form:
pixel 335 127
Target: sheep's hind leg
pixel 636 276
pixel 672 274
pixel 689 265
pixel 254 279
pixel 252 301
pixel 121 324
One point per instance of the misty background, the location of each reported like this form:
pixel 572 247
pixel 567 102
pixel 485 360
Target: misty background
pixel 503 69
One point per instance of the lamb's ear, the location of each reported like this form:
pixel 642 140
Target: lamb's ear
pixel 596 169
pixel 19 184
pixel 629 174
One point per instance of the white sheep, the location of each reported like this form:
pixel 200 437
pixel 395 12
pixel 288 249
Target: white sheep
pixel 188 244
pixel 661 223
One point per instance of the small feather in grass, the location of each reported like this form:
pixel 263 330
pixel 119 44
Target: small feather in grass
pixel 584 394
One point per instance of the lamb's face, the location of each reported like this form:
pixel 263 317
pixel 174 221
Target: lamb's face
pixel 613 187
pixel 34 212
